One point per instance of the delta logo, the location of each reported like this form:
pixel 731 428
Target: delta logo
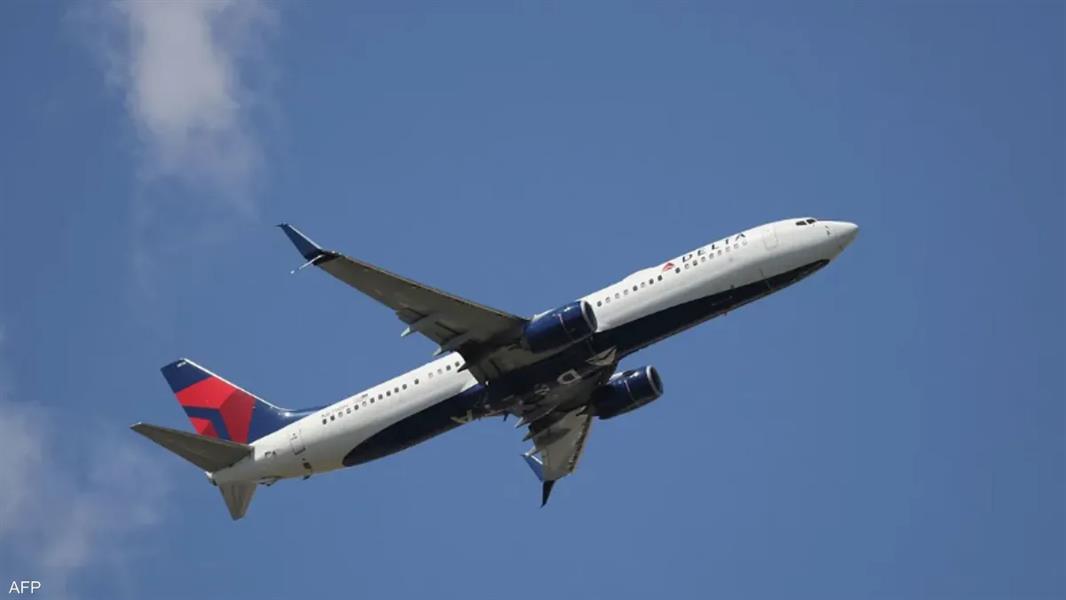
pixel 667 267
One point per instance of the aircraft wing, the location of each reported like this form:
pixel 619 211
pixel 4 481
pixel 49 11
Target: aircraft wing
pixel 454 323
pixel 559 426
pixel 558 446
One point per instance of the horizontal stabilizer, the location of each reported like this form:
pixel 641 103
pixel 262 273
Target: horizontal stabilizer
pixel 208 453
pixel 238 496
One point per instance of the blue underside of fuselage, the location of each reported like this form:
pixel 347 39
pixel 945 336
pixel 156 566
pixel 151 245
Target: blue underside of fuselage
pixel 626 339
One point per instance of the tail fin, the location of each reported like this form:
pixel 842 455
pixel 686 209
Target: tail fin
pixel 209 454
pixel 217 408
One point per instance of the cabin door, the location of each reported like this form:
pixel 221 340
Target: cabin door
pixel 296 442
pixel 769 237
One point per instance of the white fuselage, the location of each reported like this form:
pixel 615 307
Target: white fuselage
pixel 319 442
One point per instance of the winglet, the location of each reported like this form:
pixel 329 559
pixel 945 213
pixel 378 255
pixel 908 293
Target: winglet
pixel 535 464
pixel 546 491
pixel 538 470
pixel 307 248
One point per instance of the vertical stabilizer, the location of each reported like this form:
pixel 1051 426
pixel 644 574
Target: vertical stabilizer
pixel 219 409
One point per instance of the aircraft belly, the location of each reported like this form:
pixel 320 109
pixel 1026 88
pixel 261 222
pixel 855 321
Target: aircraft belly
pixel 636 334
pixel 412 428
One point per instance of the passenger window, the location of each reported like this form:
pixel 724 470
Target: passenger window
pixel 388 393
pixel 677 270
pixel 448 367
pixel 599 303
pixel 396 390
pixel 634 288
pixel 323 421
pixel 404 386
pixel 331 418
pixel 625 292
pixel 416 382
pixel 660 277
pixel 642 284
pixel 651 282
pixel 349 411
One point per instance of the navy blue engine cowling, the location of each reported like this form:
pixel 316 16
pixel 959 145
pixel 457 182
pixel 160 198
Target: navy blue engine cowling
pixel 561 327
pixel 626 391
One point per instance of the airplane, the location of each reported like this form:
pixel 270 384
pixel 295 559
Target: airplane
pixel 555 372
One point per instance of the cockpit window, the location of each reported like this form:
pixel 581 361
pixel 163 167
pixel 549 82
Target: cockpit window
pixel 798 223
pixel 809 221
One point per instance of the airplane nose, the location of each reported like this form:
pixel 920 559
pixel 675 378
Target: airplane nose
pixel 840 234
pixel 846 231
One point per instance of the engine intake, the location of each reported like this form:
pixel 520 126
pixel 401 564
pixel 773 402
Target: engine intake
pixel 561 327
pixel 627 391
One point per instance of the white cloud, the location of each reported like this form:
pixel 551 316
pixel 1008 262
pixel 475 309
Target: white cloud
pixel 21 458
pixel 75 499
pixel 188 71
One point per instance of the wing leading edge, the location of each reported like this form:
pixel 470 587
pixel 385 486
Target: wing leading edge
pixel 477 332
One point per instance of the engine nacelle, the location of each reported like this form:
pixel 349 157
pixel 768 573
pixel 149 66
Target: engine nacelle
pixel 626 391
pixel 561 327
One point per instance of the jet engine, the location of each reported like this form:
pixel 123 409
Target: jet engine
pixel 561 327
pixel 626 391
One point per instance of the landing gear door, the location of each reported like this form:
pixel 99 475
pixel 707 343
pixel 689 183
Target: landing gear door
pixel 769 237
pixel 296 441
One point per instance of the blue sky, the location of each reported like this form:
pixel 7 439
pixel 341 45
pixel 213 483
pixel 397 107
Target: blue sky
pixel 892 427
